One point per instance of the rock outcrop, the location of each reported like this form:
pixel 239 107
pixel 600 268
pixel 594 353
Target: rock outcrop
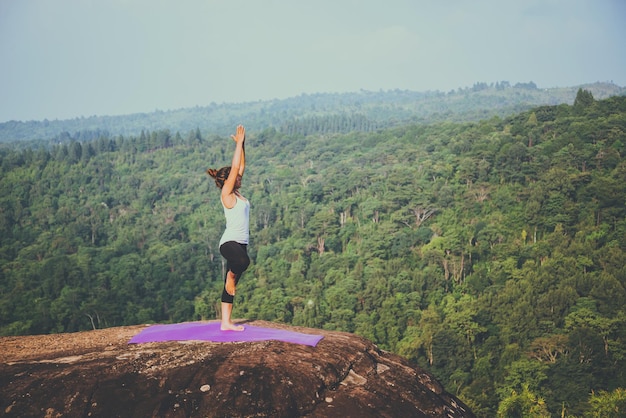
pixel 98 374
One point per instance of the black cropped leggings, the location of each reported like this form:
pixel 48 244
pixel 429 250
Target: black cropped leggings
pixel 237 261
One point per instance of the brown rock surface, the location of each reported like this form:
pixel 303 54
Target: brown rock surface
pixel 98 374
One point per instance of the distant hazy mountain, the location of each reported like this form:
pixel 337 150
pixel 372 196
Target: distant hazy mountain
pixel 364 110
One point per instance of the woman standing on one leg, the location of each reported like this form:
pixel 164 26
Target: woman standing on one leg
pixel 234 241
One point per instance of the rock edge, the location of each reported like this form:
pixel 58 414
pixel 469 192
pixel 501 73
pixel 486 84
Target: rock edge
pixel 98 374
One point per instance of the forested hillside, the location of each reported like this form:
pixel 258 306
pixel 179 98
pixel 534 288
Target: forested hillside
pixel 364 111
pixel 491 253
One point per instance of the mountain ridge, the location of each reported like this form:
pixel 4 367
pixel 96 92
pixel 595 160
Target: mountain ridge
pixel 383 109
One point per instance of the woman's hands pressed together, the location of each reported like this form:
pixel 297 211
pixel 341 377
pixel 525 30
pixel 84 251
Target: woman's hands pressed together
pixel 240 136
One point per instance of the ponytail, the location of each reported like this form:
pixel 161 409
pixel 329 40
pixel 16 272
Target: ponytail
pixel 220 175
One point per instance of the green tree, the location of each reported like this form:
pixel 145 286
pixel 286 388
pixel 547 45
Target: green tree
pixel 606 404
pixel 524 404
pixel 583 100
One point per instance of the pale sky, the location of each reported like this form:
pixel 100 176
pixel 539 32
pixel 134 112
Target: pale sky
pixel 62 59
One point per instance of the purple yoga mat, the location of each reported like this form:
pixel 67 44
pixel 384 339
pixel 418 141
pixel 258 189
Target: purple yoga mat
pixel 210 331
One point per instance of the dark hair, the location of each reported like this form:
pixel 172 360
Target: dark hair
pixel 220 175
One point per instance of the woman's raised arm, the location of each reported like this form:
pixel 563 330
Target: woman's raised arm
pixel 237 167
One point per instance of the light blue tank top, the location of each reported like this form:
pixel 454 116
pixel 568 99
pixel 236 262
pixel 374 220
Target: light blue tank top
pixel 237 222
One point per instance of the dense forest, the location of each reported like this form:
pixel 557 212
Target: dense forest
pixel 490 253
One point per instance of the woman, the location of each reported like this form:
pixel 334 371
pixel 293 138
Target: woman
pixel 234 241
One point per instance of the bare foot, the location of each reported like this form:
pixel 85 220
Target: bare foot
pixel 231 327
pixel 230 284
